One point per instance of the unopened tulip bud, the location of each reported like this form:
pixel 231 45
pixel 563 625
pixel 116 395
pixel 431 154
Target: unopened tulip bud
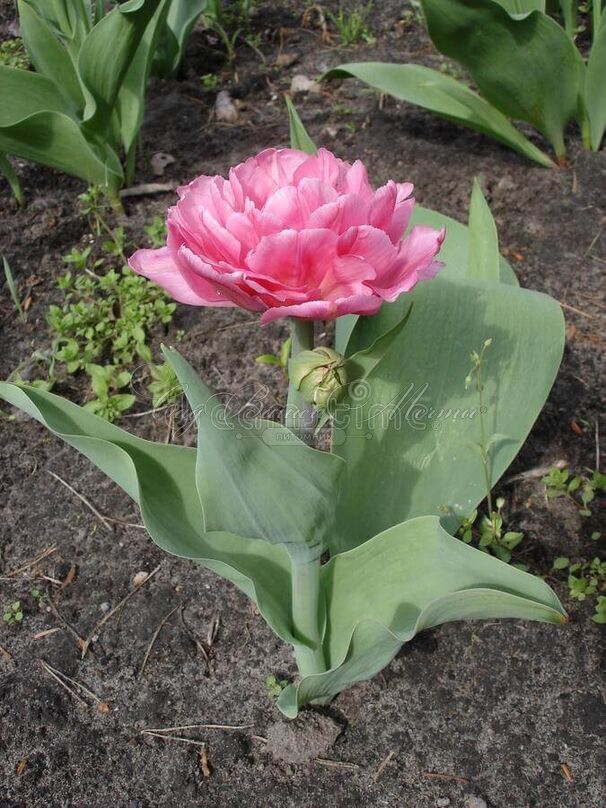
pixel 319 376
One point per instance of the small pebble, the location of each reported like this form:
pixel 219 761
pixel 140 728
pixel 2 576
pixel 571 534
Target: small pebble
pixel 225 109
pixel 104 606
pixel 442 802
pixel 303 84
pixel 140 578
pixel 475 802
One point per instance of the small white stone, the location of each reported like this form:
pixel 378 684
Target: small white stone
pixel 225 109
pixel 475 802
pixel 140 578
pixel 104 606
pixel 303 84
pixel 442 802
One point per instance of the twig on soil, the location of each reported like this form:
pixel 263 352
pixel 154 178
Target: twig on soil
pixel 203 649
pixel 154 411
pixel 6 654
pixel 336 764
pixel 147 188
pixel 597 445
pixel 223 727
pixel 382 765
pixel 576 311
pixel 64 622
pixel 29 564
pixel 154 637
pixel 83 499
pixel 173 738
pixel 213 630
pixel 42 634
pixel 566 772
pixel 51 580
pixel 539 471
pixel 86 643
pixel 595 239
pixel 205 766
pixel 63 679
pixel 445 776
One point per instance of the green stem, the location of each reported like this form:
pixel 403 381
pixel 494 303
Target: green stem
pixel 485 451
pixel 308 616
pixel 300 415
pixel 596 15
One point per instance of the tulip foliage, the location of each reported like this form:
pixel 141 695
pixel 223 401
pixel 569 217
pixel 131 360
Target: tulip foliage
pixel 83 106
pixel 525 65
pixel 349 553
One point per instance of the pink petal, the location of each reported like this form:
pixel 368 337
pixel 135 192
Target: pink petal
pixel 356 180
pixel 346 211
pixel 325 309
pixel 369 244
pixel 391 209
pixel 322 166
pixel 161 267
pixel 226 286
pixel 294 258
pixel 260 176
pixel 405 202
pixel 414 262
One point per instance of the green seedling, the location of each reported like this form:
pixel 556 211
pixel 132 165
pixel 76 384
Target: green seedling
pixel 280 359
pixel 351 25
pixel 13 614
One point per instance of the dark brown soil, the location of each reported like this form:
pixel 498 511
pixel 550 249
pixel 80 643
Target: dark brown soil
pixel 509 713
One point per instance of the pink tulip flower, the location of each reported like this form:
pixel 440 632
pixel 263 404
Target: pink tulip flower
pixel 292 235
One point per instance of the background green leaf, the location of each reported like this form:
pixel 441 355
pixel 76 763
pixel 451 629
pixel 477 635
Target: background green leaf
pixel 484 258
pixel 408 578
pixel 443 95
pixel 49 56
pixel 527 67
pixel 131 96
pixel 182 16
pixel 415 462
pixel 595 84
pixel 299 138
pixel 116 36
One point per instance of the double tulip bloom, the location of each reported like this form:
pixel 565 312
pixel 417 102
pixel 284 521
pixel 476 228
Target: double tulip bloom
pixel 292 235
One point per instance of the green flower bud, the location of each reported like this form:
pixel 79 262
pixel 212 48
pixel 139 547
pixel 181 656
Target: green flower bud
pixel 319 376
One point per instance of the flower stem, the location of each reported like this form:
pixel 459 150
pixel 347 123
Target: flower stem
pixel 308 607
pixel 308 616
pixel 300 415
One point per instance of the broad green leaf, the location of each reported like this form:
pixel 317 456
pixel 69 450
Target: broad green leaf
pixel 131 96
pixel 363 362
pixel 105 57
pixel 181 19
pixel 299 138
pixel 25 93
pixel 595 85
pixel 160 478
pixel 454 254
pixel 527 67
pixel 9 172
pixel 36 124
pixel 520 8
pixel 256 478
pixel 48 55
pixel 484 259
pixel 443 95
pixel 408 578
pixel 411 446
